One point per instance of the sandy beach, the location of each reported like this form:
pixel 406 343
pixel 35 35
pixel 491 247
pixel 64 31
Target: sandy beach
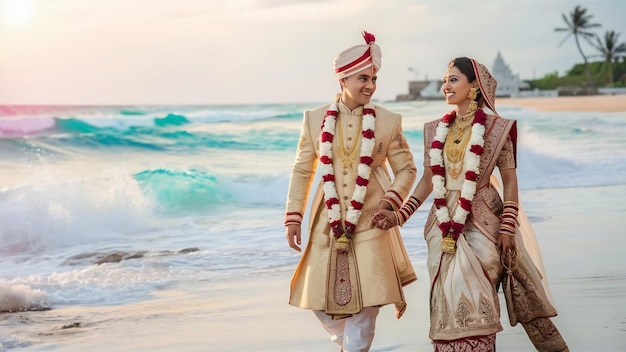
pixel 582 243
pixel 602 103
pixel 582 251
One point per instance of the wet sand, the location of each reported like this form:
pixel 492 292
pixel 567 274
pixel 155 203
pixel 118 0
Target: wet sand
pixel 582 244
pixel 602 103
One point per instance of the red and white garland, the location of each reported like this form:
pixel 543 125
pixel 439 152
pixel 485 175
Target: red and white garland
pixel 453 227
pixel 331 199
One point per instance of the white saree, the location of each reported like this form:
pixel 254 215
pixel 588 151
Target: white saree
pixel 464 303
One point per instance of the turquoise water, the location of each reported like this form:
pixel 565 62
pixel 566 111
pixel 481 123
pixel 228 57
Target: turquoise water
pixel 197 192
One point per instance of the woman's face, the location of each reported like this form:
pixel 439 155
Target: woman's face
pixel 455 87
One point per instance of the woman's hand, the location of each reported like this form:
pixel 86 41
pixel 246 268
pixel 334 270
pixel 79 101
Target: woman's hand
pixel 506 244
pixel 383 219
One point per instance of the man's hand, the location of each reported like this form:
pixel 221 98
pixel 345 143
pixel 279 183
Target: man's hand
pixel 383 219
pixel 292 232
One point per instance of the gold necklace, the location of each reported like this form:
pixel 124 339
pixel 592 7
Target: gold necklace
pixel 469 113
pixel 454 148
pixel 347 156
pixel 456 142
pixel 458 130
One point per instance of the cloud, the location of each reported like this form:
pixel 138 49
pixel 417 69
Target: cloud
pixel 234 51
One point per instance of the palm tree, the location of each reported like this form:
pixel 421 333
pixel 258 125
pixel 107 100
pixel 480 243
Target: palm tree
pixel 579 24
pixel 610 49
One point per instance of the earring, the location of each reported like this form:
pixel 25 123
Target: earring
pixel 473 105
pixel 473 92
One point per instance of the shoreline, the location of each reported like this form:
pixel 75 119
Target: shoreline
pixel 251 313
pixel 600 102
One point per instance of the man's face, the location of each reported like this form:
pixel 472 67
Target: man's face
pixel 359 88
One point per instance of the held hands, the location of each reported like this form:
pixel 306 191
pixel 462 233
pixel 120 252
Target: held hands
pixel 383 219
pixel 292 232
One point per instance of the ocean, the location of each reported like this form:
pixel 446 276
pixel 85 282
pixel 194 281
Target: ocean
pixel 107 206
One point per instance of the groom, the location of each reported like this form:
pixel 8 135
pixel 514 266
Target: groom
pixel 348 269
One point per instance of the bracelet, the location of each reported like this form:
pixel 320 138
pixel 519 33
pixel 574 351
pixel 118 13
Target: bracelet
pixel 508 218
pixel 398 223
pixel 510 203
pixel 408 209
pixel 507 229
pixel 403 213
pixel 417 200
pixel 393 198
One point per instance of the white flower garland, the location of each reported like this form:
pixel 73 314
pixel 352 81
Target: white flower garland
pixel 331 198
pixel 453 228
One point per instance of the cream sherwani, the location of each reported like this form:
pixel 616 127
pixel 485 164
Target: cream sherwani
pixel 383 266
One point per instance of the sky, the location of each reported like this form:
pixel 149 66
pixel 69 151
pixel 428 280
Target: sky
pixel 170 52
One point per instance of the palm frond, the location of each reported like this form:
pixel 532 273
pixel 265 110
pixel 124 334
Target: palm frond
pixel 564 39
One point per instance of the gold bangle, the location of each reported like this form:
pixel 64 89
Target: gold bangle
pixel 398 223
pixel 417 200
pixel 507 230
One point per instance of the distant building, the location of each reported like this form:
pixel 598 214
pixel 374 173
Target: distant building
pixel 509 84
pixel 422 90
pixel 432 90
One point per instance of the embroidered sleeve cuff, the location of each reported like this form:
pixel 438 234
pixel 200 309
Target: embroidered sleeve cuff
pixel 293 218
pixel 393 198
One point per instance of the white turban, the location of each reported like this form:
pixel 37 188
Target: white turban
pixel 358 58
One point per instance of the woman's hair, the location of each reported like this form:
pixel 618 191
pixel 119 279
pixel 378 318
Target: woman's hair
pixel 464 65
